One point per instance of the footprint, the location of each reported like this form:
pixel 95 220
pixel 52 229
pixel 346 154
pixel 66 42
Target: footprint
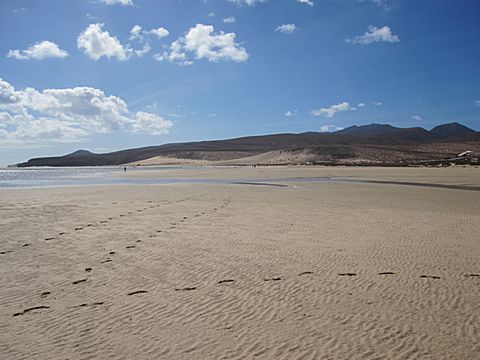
pixel 92 304
pixel 78 228
pixel 103 222
pixel 110 218
pixel 50 238
pixel 386 273
pixel 305 273
pixel 31 309
pixel 348 274
pixel 62 233
pixel 131 246
pixel 112 252
pixel 186 288
pixel 45 294
pixel 25 245
pixel 5 252
pixel 79 281
pixel 472 275
pixel 137 292
pixel 273 279
pixel 88 269
pixel 105 261
pixel 89 224
pixel 139 241
pixel 226 281
pixel 430 276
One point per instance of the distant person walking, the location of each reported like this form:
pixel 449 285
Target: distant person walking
pixel 125 169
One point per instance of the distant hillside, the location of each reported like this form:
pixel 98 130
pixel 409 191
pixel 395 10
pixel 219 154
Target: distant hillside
pixel 367 142
pixel 452 130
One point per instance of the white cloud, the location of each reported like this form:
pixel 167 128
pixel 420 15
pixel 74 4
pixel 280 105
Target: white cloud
pixel 377 103
pixel 145 50
pixel 97 43
pixel 159 32
pixel 286 28
pixel 373 35
pixel 136 32
pixel 229 19
pixel 33 116
pixel 332 110
pixel 211 15
pixel 417 117
pixel 360 105
pixel 212 115
pixel 39 51
pixel 247 2
pixel 477 103
pixel 291 113
pixel 204 43
pixel 307 2
pixel 174 53
pixel 148 123
pixel 117 2
pixel 330 128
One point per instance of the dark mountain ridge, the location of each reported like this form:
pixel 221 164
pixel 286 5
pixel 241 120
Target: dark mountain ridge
pixel 374 135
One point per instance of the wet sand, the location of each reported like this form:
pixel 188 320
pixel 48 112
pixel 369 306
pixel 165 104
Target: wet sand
pixel 326 270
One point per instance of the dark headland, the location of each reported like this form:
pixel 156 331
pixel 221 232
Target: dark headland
pixel 374 144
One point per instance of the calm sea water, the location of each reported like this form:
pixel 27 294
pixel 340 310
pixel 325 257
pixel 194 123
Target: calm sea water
pixel 65 176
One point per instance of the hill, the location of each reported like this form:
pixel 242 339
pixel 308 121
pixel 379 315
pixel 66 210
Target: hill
pixel 374 143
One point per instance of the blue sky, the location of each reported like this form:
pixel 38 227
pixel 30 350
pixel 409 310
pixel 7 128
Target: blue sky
pixel 113 74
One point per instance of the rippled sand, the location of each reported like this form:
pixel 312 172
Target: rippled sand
pixel 205 271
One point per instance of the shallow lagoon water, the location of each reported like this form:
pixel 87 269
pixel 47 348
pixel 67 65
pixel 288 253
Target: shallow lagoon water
pixel 12 178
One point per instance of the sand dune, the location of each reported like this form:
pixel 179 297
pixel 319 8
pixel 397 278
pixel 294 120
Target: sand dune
pixel 204 271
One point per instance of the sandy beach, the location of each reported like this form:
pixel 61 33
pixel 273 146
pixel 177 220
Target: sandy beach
pixel 308 270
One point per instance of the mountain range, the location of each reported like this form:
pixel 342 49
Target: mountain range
pixel 367 144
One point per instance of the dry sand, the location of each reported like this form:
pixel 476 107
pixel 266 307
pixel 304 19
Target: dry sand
pixel 204 271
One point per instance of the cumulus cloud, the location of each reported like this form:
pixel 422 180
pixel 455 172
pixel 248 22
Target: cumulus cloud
pixel 306 2
pixel 373 35
pixel 286 28
pixel 32 116
pixel 117 2
pixel 477 103
pixel 97 43
pixel 159 32
pixel 39 51
pixel 137 33
pixel 291 113
pixel 229 19
pixel 203 42
pixel 175 53
pixel 332 110
pixel 417 117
